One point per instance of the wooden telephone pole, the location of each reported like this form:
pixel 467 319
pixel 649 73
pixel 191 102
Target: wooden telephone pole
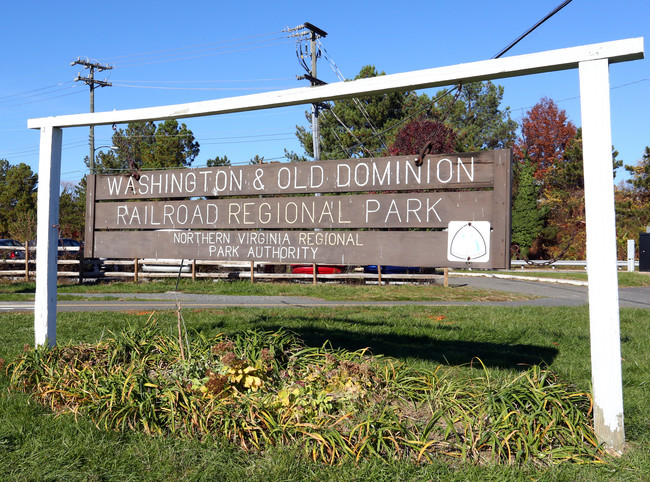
pixel 92 83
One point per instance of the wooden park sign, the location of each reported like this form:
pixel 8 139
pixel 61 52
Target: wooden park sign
pixel 450 210
pixel 592 62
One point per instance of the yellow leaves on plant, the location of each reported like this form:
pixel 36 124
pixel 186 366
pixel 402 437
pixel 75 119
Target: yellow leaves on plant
pixel 245 377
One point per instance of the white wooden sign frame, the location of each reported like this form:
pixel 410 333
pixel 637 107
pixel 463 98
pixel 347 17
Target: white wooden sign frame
pixel 592 61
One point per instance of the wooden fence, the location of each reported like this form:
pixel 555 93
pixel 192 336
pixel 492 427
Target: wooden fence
pixel 139 270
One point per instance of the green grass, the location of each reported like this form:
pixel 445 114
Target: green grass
pixel 35 445
pixel 625 278
pixel 333 292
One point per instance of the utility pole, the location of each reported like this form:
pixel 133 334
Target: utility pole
pixel 315 34
pixel 92 83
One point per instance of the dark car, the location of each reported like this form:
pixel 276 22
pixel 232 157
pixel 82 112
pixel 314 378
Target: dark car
pixel 11 249
pixel 392 269
pixel 67 248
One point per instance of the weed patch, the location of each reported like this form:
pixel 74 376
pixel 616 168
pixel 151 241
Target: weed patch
pixel 258 389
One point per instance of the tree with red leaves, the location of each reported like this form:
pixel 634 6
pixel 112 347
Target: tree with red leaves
pixel 413 136
pixel 546 132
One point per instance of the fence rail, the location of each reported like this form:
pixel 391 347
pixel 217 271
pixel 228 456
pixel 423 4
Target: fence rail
pixel 137 269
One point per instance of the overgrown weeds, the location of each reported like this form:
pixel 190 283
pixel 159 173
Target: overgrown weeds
pixel 258 389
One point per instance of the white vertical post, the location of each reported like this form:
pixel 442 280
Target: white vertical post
pixel 47 235
pixel 601 254
pixel 630 255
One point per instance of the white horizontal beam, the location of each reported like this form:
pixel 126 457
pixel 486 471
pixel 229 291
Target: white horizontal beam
pixel 549 61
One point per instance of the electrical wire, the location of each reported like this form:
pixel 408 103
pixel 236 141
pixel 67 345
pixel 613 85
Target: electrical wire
pixel 198 54
pixel 158 87
pixel 356 101
pixel 527 32
pixel 139 54
pixel 42 100
pixel 498 55
pixel 200 81
pixel 29 93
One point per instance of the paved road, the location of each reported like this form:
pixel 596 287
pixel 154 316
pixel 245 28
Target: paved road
pixel 550 294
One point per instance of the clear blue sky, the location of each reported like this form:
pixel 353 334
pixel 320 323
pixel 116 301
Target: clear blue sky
pixel 174 52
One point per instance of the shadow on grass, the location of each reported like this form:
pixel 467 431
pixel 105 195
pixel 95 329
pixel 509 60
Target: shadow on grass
pixel 422 347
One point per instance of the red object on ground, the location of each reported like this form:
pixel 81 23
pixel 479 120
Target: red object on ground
pixel 322 269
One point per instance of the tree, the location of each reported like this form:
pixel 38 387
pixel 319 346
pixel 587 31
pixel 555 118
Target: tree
pixel 527 216
pixel 218 161
pixel 72 211
pixel 360 127
pixel 640 180
pixel 416 134
pixel 546 132
pixel 569 173
pixel 257 160
pixel 17 196
pixel 633 203
pixel 143 145
pixel 477 116
pixel 368 126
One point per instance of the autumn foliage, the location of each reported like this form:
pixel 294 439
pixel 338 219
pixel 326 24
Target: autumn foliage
pixel 545 134
pixel 413 136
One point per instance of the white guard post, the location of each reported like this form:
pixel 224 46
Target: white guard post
pixel 601 253
pixel 47 235
pixel 631 251
pixel 593 63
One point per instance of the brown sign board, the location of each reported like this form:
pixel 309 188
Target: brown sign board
pixel 402 248
pixel 454 211
pixel 452 171
pixel 411 210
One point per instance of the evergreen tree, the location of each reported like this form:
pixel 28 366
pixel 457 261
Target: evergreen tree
pixel 145 145
pixel 359 127
pixel 478 117
pixel 640 180
pixel 527 216
pixel 17 196
pixel 218 161
pixel 72 211
pixel 368 126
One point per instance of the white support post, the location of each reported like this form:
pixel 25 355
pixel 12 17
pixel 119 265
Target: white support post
pixel 47 234
pixel 630 255
pixel 601 254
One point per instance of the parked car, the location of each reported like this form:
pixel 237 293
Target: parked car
pixel 391 269
pixel 151 265
pixel 68 248
pixel 12 249
pixel 322 269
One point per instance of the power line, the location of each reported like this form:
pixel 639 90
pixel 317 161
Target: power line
pixel 158 87
pixel 498 55
pixel 201 81
pixel 40 100
pixel 30 93
pixel 527 32
pixel 356 101
pixel 188 47
pixel 192 55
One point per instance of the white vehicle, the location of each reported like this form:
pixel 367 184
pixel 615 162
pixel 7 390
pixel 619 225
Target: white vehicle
pixel 151 265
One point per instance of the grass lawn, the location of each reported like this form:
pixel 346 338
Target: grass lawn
pixel 36 445
pixel 333 292
pixel 625 278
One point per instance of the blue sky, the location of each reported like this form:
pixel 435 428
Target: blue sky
pixel 168 52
